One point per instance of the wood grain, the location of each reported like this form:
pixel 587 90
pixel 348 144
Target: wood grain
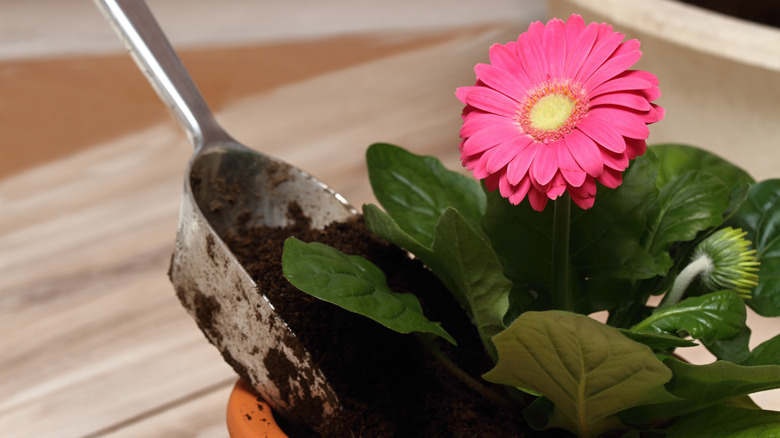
pixel 83 100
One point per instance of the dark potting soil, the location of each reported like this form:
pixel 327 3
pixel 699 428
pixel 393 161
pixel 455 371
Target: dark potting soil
pixel 388 384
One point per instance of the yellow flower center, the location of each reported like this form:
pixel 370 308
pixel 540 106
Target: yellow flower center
pixel 552 110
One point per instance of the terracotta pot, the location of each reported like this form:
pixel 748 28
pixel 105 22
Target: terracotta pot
pixel 719 75
pixel 250 417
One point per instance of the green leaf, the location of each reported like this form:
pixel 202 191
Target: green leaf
pixel 384 226
pixel 537 414
pixel 720 380
pixel 658 341
pixel 605 240
pixel 355 284
pixel 677 159
pixel 415 190
pixel 738 197
pixel 766 353
pixel 743 402
pixel 759 215
pixel 522 238
pixel 727 422
pixel 715 316
pixel 476 271
pixel 590 371
pixel 735 350
pixel 688 204
pixel 702 386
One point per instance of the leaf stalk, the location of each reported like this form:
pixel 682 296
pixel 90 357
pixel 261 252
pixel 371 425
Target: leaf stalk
pixel 700 266
pixel 470 382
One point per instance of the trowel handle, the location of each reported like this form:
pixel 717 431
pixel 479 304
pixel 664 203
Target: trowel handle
pixel 137 27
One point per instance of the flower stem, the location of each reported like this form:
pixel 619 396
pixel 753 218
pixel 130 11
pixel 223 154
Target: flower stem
pixel 699 266
pixel 464 377
pixel 561 283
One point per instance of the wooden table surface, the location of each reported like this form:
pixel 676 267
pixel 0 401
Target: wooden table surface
pixel 93 340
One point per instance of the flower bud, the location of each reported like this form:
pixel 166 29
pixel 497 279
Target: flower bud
pixel 733 265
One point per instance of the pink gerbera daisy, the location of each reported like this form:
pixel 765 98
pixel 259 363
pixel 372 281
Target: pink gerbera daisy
pixel 557 111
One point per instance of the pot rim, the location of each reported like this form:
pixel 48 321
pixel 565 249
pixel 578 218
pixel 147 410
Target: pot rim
pixel 248 416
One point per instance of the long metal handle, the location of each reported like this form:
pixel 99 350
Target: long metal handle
pixel 147 43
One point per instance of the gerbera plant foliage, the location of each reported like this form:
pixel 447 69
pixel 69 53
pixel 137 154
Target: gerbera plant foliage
pixel 670 241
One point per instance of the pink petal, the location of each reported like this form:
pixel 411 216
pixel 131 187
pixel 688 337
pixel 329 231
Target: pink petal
pixel 629 46
pixel 480 168
pixel 498 157
pixel 531 55
pixel 602 133
pixel 602 49
pixel 580 44
pixel 626 83
pixel 518 167
pixel 521 190
pixel 660 112
pixel 641 74
pixel 650 93
pixel 504 187
pixel 545 164
pixel 470 161
pixel 554 43
pixel 501 80
pixel 588 188
pixel 626 99
pixel 614 161
pixel 585 152
pixel 652 115
pixel 584 196
pixel 624 122
pixel 504 56
pixel 605 30
pixel 461 92
pixel 479 120
pixel 556 187
pixel 584 203
pixel 535 181
pixel 467 110
pixel 615 65
pixel 568 166
pixel 537 199
pixel 490 100
pixel 575 25
pixel 611 178
pixel 492 182
pixel 485 139
pixel 635 148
